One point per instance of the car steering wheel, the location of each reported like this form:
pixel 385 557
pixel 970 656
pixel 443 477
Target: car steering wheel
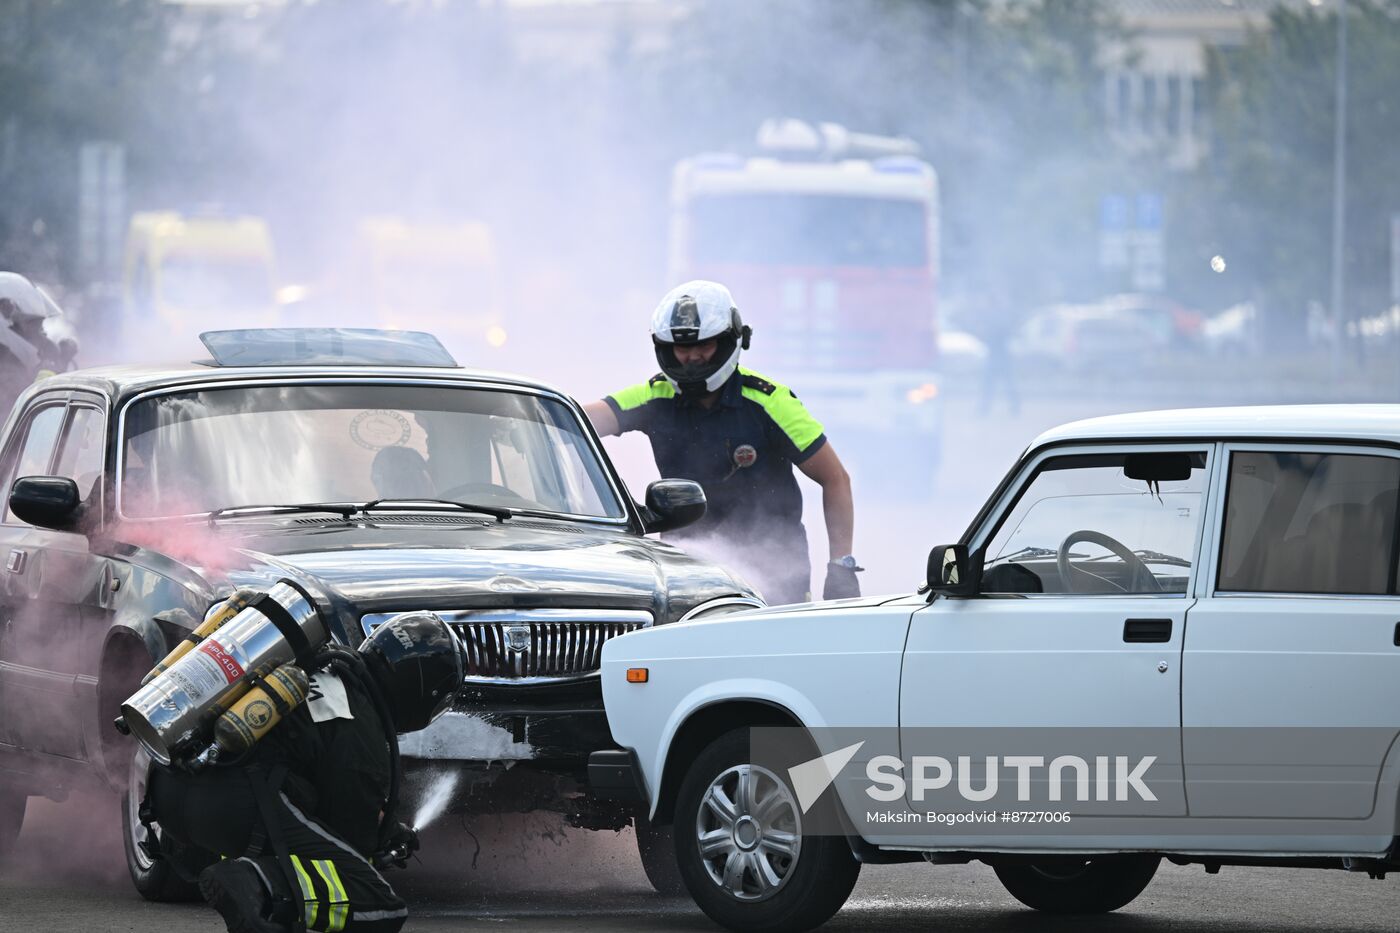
pixel 1140 570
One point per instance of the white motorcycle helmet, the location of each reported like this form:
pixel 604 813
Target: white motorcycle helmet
pixel 694 313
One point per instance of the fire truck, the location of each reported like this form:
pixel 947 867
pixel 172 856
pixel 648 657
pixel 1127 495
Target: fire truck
pixel 828 240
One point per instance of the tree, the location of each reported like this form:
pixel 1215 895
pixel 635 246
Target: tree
pixel 1265 198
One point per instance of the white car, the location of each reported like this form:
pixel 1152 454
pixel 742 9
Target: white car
pixel 1180 631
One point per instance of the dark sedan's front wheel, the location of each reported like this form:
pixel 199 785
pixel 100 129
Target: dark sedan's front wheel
pixel 656 846
pixel 155 878
pixel 741 849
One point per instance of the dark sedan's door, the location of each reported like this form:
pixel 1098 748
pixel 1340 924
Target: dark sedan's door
pixel 53 590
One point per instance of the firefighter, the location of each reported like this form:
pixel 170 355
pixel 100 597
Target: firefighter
pixel 302 825
pixel 737 434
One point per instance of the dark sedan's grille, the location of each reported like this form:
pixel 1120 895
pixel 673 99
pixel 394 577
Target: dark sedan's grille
pixel 522 645
pixel 555 649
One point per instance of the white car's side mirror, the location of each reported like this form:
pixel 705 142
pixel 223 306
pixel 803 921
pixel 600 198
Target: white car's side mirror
pixel 950 571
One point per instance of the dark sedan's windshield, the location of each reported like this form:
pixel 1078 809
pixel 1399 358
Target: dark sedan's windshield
pixel 267 445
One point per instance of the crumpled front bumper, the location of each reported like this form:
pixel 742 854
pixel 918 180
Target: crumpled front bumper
pixel 558 725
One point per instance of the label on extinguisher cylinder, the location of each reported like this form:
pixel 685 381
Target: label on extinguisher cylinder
pixel 228 664
pixel 205 672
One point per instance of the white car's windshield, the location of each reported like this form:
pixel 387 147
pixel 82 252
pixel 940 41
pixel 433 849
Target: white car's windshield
pixel 273 445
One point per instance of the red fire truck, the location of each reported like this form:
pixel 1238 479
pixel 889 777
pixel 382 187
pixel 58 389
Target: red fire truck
pixel 829 242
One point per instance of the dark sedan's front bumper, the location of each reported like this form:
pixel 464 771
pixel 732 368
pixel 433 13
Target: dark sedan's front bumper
pixel 614 774
pixel 552 726
pixel 523 748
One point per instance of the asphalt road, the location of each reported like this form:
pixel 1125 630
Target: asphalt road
pixel 531 874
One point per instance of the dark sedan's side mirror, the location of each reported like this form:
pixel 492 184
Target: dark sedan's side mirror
pixel 673 503
pixel 46 501
pixel 950 571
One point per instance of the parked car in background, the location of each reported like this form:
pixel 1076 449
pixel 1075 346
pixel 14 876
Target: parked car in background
pixel 379 476
pixel 1232 332
pixel 1117 333
pixel 1214 589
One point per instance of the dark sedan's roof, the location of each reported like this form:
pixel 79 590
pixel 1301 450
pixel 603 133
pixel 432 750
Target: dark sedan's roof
pixel 121 382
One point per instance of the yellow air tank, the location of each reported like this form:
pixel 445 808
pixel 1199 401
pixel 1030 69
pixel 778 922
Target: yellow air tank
pixel 221 613
pixel 254 714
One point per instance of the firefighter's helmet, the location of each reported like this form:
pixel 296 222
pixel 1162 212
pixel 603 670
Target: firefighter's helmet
pixel 418 662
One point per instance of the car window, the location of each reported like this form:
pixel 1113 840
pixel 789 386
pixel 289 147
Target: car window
pixel 269 445
pixel 37 451
pixel 1084 524
pixel 80 454
pixel 1309 523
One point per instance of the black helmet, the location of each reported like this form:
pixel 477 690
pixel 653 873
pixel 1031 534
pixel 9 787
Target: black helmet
pixel 419 662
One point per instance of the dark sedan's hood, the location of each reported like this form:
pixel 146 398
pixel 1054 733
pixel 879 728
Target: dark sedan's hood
pixel 374 566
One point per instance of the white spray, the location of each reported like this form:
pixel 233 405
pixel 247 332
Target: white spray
pixel 436 799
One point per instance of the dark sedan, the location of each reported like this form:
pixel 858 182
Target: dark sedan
pixel 136 498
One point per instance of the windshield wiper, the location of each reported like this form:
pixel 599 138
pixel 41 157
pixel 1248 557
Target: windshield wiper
pixel 1157 557
pixel 344 511
pixel 1030 553
pixel 497 512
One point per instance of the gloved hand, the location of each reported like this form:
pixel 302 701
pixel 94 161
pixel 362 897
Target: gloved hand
pixel 841 582
pixel 399 844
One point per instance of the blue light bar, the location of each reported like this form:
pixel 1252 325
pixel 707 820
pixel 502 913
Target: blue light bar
pixel 726 161
pixel 901 165
pixel 325 346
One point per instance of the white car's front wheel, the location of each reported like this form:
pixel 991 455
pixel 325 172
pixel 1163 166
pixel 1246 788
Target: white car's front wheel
pixel 741 849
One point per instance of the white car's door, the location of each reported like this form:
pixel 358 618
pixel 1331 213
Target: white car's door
pixel 1291 668
pixel 1079 619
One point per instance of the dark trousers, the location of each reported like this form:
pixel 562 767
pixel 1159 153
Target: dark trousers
pixel 328 885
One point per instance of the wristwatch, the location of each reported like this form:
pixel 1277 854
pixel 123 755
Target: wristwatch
pixel 848 562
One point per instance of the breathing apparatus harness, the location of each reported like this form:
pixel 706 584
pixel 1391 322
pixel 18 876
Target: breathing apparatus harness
pixel 246 667
pixel 392 847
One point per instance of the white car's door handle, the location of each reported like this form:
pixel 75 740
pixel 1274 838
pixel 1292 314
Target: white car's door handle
pixel 1142 631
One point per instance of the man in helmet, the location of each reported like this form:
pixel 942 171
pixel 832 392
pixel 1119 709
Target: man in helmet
pixel 303 823
pixel 35 339
pixel 737 434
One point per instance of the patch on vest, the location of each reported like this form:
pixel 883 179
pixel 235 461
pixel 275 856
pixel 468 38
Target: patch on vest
pixel 327 699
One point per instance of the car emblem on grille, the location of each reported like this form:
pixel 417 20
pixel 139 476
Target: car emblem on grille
pixel 518 637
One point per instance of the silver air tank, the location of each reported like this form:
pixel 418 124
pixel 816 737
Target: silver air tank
pixel 171 714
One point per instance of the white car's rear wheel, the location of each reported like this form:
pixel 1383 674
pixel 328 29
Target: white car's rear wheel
pixel 1074 885
pixel 741 848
